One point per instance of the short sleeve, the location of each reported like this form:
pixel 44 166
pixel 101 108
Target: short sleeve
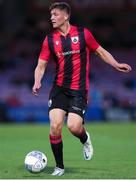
pixel 90 40
pixel 45 50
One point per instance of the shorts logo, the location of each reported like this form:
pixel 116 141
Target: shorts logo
pixel 49 103
pixel 83 111
pixel 76 108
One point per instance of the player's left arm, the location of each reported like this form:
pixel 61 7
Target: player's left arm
pixel 108 58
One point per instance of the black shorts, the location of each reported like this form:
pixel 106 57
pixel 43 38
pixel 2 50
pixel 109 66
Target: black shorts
pixel 68 100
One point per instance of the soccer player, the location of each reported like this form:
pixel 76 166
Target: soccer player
pixel 70 46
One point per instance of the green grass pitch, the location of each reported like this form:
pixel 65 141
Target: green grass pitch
pixel 114 152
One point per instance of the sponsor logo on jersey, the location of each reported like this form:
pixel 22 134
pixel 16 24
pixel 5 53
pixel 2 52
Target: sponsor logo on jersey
pixel 59 54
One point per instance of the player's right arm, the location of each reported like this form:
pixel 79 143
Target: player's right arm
pixel 41 66
pixel 38 75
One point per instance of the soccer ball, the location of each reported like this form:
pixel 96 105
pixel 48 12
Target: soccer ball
pixel 35 161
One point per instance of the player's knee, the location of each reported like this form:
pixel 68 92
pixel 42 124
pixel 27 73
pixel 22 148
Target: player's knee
pixel 55 128
pixel 72 128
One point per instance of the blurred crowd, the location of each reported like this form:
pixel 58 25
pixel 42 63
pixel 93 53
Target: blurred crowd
pixel 111 92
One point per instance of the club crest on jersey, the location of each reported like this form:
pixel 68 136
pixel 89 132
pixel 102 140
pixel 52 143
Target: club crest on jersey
pixel 74 39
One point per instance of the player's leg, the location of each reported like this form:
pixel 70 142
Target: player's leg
pixel 75 126
pixel 75 123
pixel 56 122
pixel 57 110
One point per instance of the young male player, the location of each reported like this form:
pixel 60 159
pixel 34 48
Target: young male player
pixel 70 47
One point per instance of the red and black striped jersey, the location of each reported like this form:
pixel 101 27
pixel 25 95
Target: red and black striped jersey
pixel 72 56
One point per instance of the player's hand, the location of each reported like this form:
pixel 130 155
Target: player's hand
pixel 123 67
pixel 35 89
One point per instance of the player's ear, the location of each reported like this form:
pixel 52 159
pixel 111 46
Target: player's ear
pixel 66 17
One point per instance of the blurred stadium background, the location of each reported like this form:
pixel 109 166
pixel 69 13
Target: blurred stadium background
pixel 24 24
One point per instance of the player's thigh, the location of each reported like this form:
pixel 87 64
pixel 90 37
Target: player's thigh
pixel 57 115
pixel 56 120
pixel 77 108
pixel 57 99
pixel 74 122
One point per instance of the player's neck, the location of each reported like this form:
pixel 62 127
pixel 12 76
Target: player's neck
pixel 64 29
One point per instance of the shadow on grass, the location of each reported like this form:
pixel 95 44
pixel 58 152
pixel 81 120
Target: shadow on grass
pixel 47 171
pixel 69 172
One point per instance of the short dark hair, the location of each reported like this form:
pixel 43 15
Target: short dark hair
pixel 62 6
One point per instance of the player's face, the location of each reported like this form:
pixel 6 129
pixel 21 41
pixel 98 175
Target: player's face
pixel 58 18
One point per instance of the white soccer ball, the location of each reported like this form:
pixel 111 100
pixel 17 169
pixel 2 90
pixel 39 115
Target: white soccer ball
pixel 35 161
